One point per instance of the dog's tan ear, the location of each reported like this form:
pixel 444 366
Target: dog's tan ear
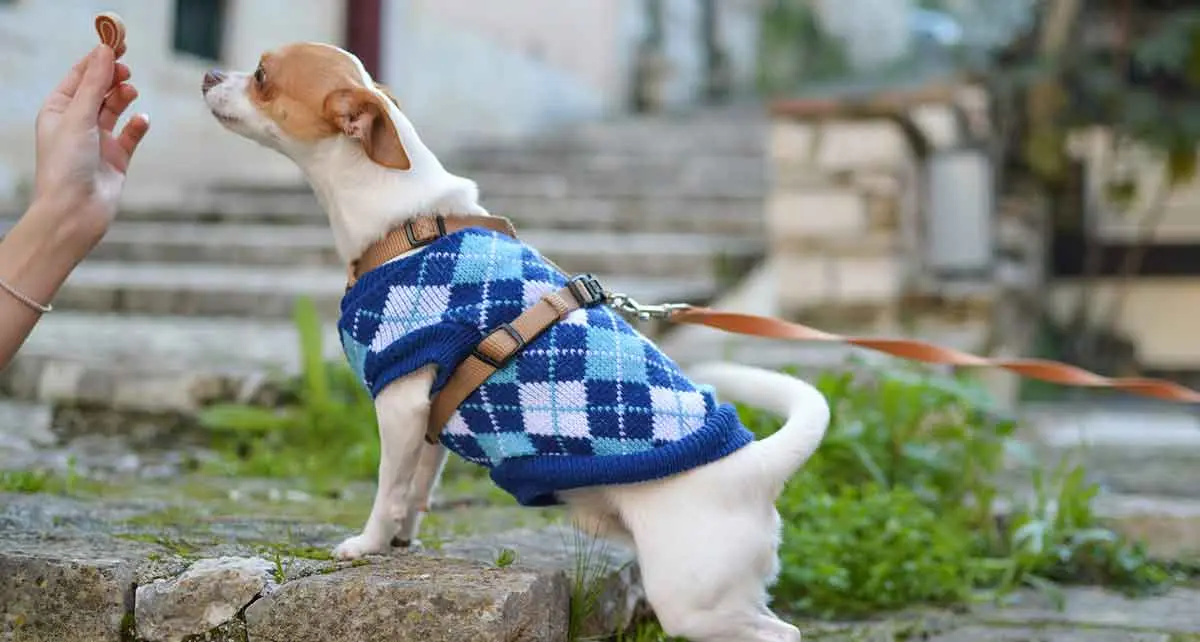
pixel 361 114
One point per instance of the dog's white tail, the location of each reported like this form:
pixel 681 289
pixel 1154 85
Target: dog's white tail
pixel 805 408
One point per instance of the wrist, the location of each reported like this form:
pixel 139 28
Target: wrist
pixel 56 224
pixel 39 252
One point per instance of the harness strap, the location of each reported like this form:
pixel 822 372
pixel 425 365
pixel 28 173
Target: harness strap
pixel 504 342
pixel 419 232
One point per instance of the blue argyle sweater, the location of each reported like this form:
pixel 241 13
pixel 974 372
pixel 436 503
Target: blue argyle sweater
pixel 589 402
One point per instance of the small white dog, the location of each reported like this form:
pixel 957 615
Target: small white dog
pixel 702 517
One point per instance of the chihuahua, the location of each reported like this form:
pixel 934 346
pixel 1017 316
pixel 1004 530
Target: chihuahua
pixel 616 432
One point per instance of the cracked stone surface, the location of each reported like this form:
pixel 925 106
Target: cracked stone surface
pixel 208 595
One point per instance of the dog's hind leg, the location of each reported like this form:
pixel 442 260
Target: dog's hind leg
pixel 706 546
pixel 401 409
pixel 429 472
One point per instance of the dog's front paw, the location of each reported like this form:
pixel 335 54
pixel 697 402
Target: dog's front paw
pixel 357 547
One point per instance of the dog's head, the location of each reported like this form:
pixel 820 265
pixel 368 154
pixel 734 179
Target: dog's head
pixel 306 95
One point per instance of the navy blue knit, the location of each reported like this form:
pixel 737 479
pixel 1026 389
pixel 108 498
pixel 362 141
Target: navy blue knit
pixel 589 402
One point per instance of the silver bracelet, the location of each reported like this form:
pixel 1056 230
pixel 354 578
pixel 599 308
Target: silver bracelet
pixel 26 300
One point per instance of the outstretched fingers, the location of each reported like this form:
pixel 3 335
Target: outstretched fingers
pixel 133 133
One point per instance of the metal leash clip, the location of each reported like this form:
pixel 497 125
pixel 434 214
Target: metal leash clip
pixel 627 304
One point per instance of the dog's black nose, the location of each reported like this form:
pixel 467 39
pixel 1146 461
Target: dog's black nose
pixel 212 79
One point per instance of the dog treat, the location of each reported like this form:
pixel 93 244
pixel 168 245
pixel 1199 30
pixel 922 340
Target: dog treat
pixel 111 31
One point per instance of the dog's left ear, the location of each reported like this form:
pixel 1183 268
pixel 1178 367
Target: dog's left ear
pixel 362 114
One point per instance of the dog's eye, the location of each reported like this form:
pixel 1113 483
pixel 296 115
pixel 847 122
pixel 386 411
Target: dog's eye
pixel 260 76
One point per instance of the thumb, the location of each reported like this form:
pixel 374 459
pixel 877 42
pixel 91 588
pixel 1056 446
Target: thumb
pixel 97 80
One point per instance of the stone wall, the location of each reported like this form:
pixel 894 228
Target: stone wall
pixel 854 241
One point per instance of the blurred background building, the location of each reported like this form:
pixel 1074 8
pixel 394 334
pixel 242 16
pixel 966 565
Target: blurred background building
pixel 465 70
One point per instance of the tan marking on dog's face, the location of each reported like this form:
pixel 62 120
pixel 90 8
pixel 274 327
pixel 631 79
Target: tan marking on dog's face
pixel 291 85
pixel 304 93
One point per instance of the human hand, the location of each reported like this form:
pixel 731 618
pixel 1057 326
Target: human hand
pixel 81 163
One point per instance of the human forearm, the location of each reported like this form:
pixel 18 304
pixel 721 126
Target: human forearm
pixel 36 256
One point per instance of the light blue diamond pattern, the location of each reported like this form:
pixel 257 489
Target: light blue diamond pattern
pixel 484 258
pixel 613 355
pixel 500 446
pixel 356 354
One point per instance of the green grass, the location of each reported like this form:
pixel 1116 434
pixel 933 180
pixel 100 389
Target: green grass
pixel 896 509
pixel 44 481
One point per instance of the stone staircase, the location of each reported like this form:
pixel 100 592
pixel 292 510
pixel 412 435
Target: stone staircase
pixel 189 301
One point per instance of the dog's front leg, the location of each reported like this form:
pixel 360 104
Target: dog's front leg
pixel 402 410
pixel 429 472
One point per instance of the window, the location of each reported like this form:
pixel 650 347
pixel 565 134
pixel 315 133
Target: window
pixel 200 28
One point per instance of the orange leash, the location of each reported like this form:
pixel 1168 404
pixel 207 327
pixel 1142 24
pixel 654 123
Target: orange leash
pixel 1045 370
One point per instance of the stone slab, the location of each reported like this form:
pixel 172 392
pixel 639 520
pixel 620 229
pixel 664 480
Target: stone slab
pixel 415 599
pixel 605 572
pixel 66 588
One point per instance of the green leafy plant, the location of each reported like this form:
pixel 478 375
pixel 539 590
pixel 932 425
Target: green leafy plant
pixel 325 429
pixel 506 557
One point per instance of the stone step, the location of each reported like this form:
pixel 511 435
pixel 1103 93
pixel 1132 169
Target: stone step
pixel 713 182
pixel 191 289
pixel 615 172
pixel 642 254
pixel 1137 449
pixel 740 131
pixel 152 363
pixel 276 206
pixel 739 216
